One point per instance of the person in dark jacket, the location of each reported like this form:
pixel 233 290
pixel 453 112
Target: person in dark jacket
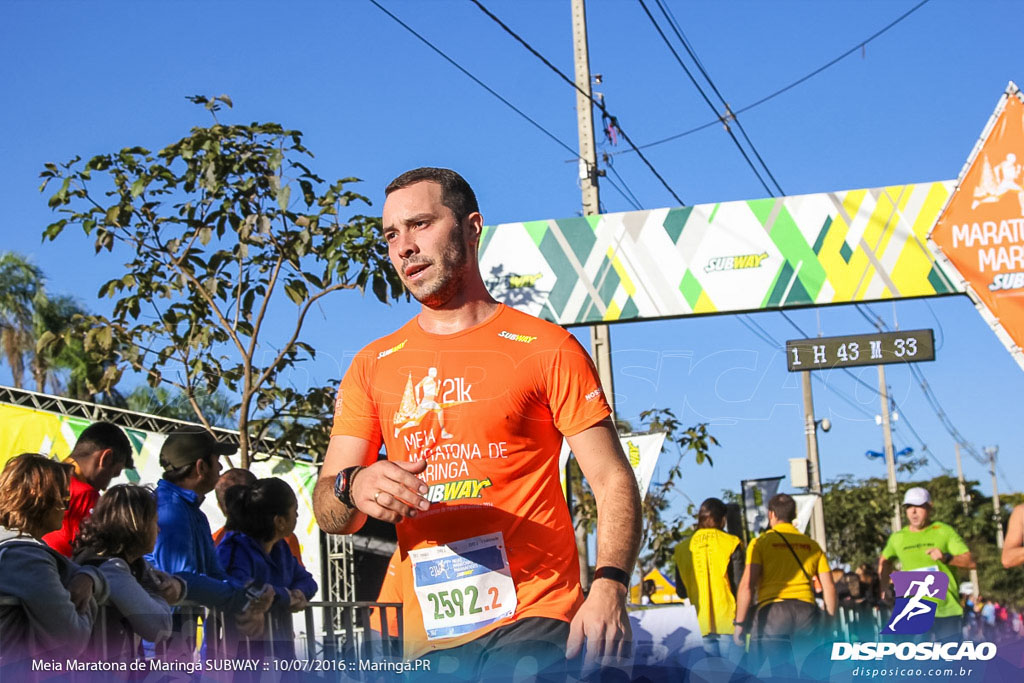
pixel 50 603
pixel 254 550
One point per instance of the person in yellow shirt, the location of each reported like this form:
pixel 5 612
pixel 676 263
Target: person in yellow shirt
pixel 781 564
pixel 709 564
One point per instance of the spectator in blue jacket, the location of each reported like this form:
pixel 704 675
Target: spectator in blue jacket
pixel 190 458
pixel 254 549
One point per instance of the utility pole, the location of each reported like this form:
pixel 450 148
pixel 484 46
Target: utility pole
pixel 600 339
pixel 811 430
pixel 967 512
pixel 890 458
pixel 991 452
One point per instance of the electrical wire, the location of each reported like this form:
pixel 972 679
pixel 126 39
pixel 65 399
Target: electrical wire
pixel 788 87
pixel 724 119
pixel 627 196
pixel 597 103
pixel 929 394
pixel 767 338
pixel 892 401
pixel 476 80
pixel 632 199
pixel 728 114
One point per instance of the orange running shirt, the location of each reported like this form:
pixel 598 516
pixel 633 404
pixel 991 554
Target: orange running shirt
pixel 486 408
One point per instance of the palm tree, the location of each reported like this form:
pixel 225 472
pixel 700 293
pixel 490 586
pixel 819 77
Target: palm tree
pixel 20 284
pixel 57 316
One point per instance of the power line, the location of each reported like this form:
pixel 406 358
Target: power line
pixel 728 115
pixel 892 401
pixel 767 338
pixel 632 199
pixel 723 119
pixel 929 394
pixel 788 87
pixel 475 79
pixel 597 103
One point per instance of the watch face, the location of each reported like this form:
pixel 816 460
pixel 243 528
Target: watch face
pixel 342 484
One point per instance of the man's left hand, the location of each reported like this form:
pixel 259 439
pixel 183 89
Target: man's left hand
pixel 603 625
pixel 935 554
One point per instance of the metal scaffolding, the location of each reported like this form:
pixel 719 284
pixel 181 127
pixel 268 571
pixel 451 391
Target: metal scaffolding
pixel 129 419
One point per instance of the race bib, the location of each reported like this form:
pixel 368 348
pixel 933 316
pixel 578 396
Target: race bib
pixel 463 586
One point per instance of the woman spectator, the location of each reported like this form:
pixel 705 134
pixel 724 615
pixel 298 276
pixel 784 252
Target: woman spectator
pixel 253 550
pixel 120 531
pixel 57 599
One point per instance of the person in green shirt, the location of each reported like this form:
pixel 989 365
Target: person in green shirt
pixel 927 545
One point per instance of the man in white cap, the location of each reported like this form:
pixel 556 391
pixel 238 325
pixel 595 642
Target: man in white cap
pixel 925 545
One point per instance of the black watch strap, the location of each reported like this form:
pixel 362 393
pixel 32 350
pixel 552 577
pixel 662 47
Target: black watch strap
pixel 343 485
pixel 613 573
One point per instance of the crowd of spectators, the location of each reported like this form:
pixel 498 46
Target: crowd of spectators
pixel 71 548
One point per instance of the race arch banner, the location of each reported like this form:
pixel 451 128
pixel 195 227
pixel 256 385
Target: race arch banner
pixel 741 256
pixel 979 235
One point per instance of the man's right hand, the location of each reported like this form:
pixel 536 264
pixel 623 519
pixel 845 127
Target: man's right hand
pixel 390 491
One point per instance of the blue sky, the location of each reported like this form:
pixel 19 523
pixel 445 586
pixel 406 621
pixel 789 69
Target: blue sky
pixel 85 78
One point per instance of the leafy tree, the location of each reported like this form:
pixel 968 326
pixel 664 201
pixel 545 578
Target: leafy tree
pixel 171 403
pixel 67 368
pixel 858 518
pixel 217 248
pixel 20 283
pixel 658 536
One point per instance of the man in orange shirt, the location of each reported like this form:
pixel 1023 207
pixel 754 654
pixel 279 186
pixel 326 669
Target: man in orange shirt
pixel 493 573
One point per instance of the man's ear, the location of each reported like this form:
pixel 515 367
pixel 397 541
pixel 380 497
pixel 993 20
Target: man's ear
pixel 473 225
pixel 105 459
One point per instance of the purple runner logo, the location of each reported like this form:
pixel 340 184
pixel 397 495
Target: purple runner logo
pixel 919 594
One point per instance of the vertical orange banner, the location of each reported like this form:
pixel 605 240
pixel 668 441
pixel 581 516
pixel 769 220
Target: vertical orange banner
pixel 981 230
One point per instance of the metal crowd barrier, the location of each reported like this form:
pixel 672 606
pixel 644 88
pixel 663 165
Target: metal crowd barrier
pixel 330 631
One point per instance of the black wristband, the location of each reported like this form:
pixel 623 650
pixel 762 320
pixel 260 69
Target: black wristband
pixel 946 557
pixel 343 485
pixel 613 573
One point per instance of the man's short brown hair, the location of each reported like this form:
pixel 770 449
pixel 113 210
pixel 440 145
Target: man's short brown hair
pixel 236 476
pixel 456 193
pixel 31 486
pixel 784 507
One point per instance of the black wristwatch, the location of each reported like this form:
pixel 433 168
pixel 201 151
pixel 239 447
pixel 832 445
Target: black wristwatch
pixel 343 485
pixel 613 573
pixel 946 558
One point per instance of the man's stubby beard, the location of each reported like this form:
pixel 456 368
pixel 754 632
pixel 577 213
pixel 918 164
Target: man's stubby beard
pixel 447 278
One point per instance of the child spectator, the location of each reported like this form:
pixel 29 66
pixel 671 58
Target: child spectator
pixel 121 529
pixel 253 549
